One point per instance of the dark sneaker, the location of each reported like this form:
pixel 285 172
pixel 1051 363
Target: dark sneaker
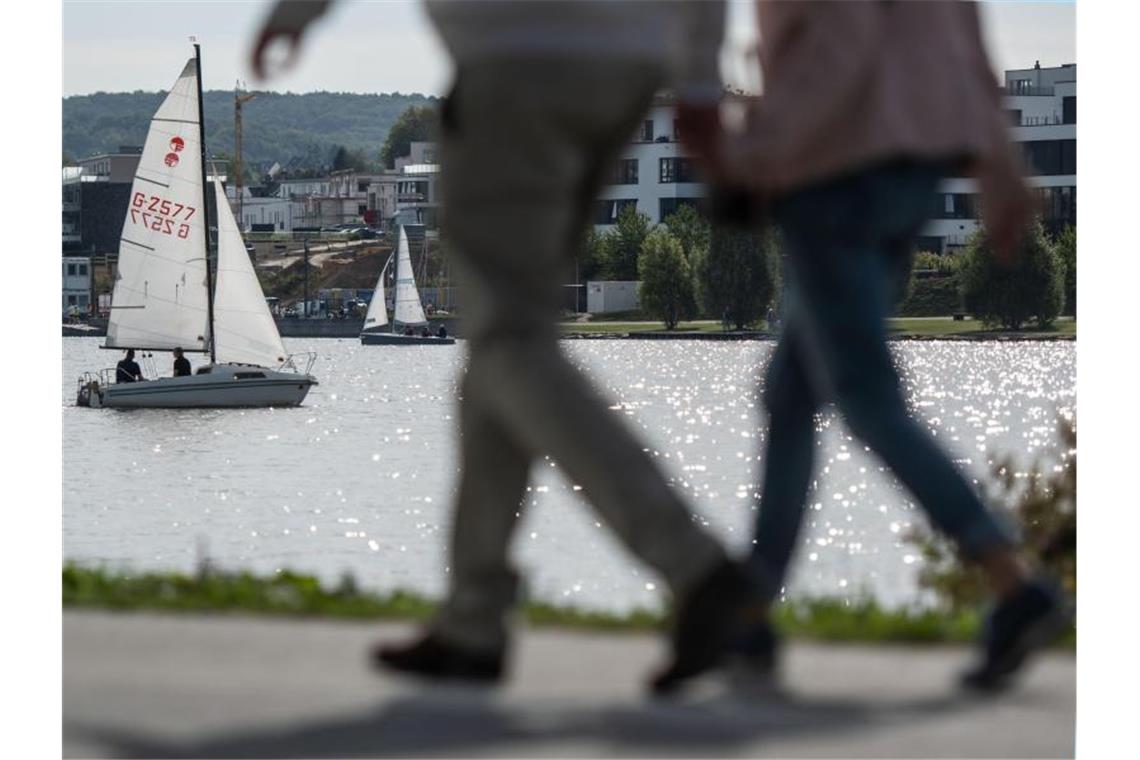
pixel 714 614
pixel 430 657
pixel 1028 620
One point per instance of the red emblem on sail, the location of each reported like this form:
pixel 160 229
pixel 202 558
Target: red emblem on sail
pixel 171 159
pixel 177 144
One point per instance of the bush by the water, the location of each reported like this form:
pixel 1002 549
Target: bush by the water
pixel 666 288
pixel 1029 290
pixel 734 276
pixel 1067 250
pixel 932 297
pixel 1043 505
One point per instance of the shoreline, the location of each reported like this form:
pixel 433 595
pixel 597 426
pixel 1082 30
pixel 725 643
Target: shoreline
pixel 298 596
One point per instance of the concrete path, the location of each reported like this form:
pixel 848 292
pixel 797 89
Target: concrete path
pixel 145 685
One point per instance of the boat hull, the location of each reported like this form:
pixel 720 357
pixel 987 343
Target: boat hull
pixel 394 339
pixel 222 386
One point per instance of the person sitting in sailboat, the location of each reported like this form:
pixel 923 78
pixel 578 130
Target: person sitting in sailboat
pixel 181 364
pixel 128 370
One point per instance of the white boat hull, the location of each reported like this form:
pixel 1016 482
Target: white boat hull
pixel 219 386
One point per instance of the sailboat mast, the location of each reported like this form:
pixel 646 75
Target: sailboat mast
pixel 205 206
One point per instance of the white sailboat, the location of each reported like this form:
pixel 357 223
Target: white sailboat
pixel 408 316
pixel 165 294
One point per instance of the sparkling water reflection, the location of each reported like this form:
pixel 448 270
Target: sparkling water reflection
pixel 360 478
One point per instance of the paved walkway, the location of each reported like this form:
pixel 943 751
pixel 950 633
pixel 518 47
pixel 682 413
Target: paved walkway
pixel 144 685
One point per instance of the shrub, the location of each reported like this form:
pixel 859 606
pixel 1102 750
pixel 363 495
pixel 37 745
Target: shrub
pixel 932 297
pixel 1045 510
pixel 621 245
pixel 691 230
pixel 734 275
pixel 666 288
pixel 1066 244
pixel 1029 290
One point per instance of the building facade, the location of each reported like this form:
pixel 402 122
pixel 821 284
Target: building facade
pixel 77 276
pixel 654 174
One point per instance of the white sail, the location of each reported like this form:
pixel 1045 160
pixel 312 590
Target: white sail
pixel 159 299
pixel 377 315
pixel 244 328
pixel 409 310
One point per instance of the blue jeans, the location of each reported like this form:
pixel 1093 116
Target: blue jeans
pixel 847 255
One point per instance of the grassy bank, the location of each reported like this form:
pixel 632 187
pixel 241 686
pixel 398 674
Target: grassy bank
pixel 902 327
pixel 292 594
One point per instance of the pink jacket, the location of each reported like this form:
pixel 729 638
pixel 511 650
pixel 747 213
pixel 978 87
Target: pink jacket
pixel 847 84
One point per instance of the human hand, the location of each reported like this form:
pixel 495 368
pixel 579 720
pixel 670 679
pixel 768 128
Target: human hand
pixel 288 21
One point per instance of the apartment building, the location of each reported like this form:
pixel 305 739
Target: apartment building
pixel 655 176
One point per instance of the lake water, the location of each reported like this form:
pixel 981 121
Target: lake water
pixel 361 476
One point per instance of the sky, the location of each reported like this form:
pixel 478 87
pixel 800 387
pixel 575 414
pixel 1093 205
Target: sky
pixel 389 45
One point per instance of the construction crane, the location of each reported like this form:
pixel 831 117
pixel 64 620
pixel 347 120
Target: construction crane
pixel 239 101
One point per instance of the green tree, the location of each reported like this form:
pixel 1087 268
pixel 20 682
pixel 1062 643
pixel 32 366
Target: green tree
pixel 1066 244
pixel 622 244
pixel 692 231
pixel 1029 290
pixel 666 288
pixel 735 277
pixel 415 124
pixel 591 254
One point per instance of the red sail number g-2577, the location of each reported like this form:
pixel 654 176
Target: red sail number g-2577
pixel 161 215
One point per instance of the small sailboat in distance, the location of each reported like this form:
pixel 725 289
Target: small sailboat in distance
pixel 166 295
pixel 408 315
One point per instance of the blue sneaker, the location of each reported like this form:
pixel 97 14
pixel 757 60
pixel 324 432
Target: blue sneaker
pixel 1030 619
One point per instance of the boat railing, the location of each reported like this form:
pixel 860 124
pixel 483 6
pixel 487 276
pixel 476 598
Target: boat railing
pixel 293 362
pixel 103 377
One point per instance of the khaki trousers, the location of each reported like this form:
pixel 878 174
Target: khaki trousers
pixel 526 145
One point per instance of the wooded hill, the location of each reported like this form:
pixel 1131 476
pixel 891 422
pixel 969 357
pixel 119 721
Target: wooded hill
pixel 298 131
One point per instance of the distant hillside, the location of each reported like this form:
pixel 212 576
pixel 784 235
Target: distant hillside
pixel 304 129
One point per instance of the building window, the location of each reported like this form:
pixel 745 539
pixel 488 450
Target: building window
pixel 608 211
pixel 624 172
pixel 361 208
pixel 1051 157
pixel 675 170
pixel 666 206
pixel 362 186
pixel 83 301
pixel 70 270
pixel 82 270
pixel 647 131
pixel 1069 109
pixel 71 300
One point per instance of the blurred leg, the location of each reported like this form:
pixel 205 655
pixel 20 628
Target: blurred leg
pixel 524 147
pixel 845 281
pixel 788 460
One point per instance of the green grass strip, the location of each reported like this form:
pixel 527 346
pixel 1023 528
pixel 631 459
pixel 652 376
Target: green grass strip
pixel 292 594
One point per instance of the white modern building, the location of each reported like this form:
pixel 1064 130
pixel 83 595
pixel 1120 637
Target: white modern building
pixel 1042 108
pixel 654 175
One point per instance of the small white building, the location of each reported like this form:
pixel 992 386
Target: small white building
pixel 76 285
pixel 612 295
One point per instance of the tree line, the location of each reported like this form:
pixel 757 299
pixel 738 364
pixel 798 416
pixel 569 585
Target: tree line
pixel 689 268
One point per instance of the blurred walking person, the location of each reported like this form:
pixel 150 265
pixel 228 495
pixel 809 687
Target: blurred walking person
pixel 867 106
pixel 545 96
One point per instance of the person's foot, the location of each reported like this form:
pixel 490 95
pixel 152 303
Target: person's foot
pixel 708 620
pixel 431 657
pixel 1029 619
